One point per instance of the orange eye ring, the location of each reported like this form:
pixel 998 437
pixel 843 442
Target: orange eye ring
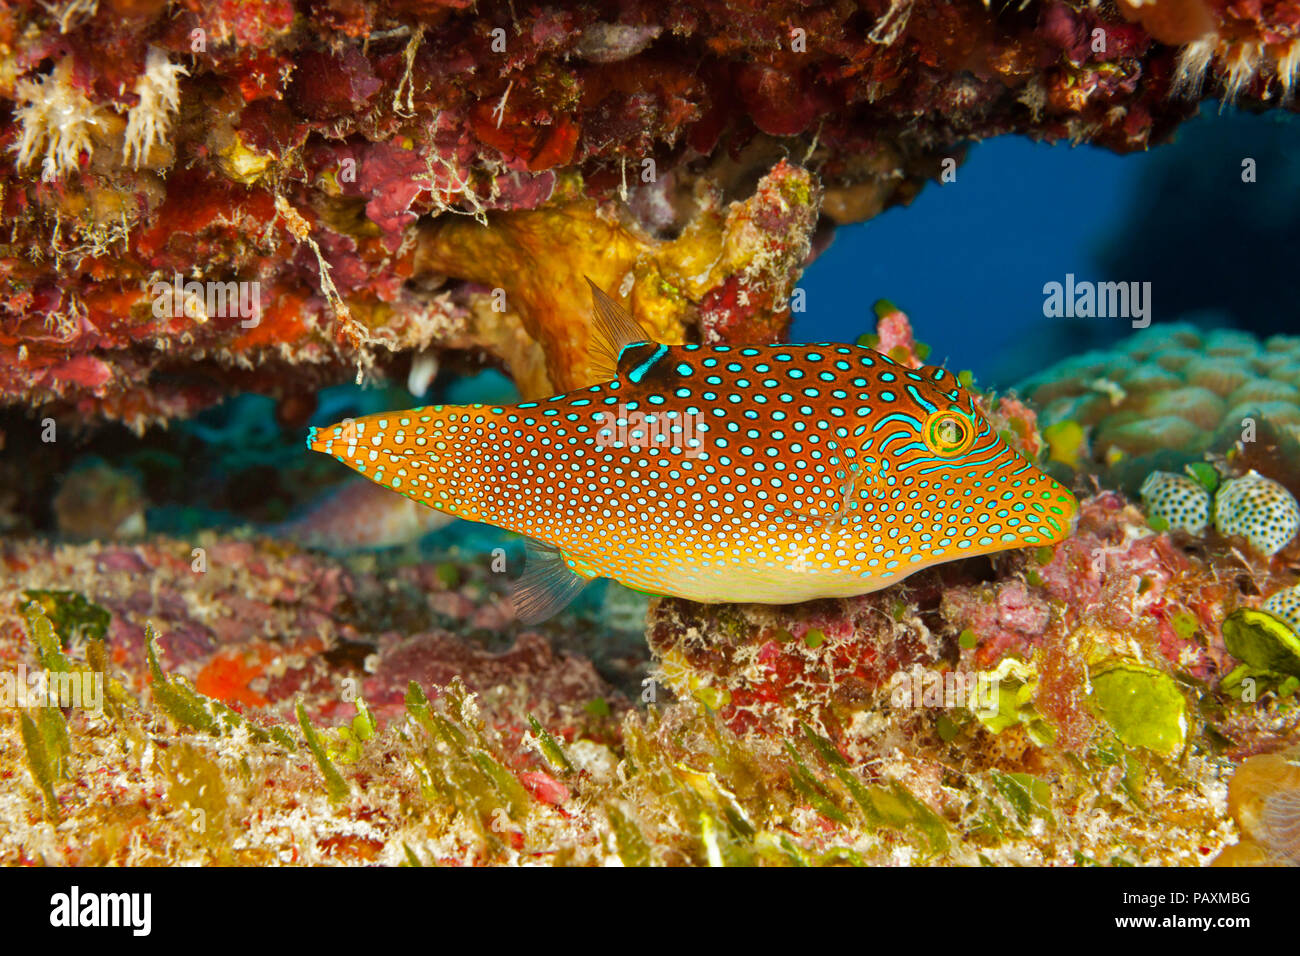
pixel 948 433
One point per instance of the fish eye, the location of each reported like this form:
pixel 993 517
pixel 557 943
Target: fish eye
pixel 949 432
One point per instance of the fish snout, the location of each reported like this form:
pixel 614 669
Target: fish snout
pixel 1060 512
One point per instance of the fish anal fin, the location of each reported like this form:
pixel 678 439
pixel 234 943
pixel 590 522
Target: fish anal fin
pixel 547 585
pixel 612 329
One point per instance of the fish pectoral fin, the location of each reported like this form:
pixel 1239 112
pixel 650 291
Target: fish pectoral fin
pixel 612 330
pixel 547 585
pixel 859 483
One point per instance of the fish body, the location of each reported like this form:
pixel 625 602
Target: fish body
pixel 770 474
pixel 361 516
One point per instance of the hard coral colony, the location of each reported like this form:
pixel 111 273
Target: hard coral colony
pixel 857 610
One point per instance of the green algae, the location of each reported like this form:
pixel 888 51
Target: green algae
pixel 550 747
pixel 49 649
pixel 449 575
pixel 1204 474
pixel 687 790
pixel 1246 683
pixel 412 858
pixel 185 705
pixel 894 806
pixel 335 785
pixel 1130 760
pixel 460 771
pixel 947 728
pixel 1143 705
pixel 197 783
pixel 43 728
pixel 73 616
pixel 1185 625
pixel 629 842
pixel 1016 684
pixel 714 698
pixel 815 792
pixel 1262 641
pixel 1028 795
pixel 345 744
pixel 714 800
pixel 46 741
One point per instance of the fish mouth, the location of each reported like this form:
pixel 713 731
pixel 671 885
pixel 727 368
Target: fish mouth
pixel 1055 514
pixel 1066 523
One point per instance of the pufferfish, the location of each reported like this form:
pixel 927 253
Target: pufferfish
pixel 720 473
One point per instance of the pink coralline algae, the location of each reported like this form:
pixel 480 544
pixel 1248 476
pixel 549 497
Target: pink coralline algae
pixel 1008 617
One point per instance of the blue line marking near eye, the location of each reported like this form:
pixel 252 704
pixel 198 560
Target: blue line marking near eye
pixel 897 417
pixel 639 372
pixel 911 389
pixel 964 462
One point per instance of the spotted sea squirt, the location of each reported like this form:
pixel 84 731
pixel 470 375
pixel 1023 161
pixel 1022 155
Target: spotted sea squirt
pixel 770 474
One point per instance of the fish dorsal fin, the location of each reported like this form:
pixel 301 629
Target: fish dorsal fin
pixel 547 585
pixel 612 330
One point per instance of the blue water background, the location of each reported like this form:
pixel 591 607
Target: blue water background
pixel 967 261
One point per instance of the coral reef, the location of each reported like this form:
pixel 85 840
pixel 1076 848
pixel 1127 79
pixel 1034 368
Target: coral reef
pixel 738 262
pixel 1177 500
pixel 1172 394
pixel 1259 510
pixel 274 195
pixel 1076 704
pixel 1264 800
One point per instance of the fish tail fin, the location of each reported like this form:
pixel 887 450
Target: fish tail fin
pixel 547 585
